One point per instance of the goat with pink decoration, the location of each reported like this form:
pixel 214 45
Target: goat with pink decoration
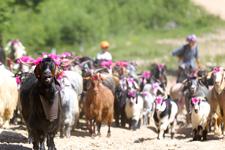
pixel 200 117
pixel 134 109
pixel 165 116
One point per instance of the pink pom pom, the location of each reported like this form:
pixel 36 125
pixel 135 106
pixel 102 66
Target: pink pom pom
pixel 132 93
pixel 37 61
pixel 195 100
pixel 146 74
pixel 160 66
pixel 217 69
pixel 18 80
pixel 121 63
pixel 159 100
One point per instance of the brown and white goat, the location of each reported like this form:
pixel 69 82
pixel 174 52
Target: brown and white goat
pixel 99 105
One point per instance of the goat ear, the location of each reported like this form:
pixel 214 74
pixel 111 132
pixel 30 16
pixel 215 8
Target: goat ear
pixel 37 71
pixel 56 70
pixel 209 74
pixel 185 81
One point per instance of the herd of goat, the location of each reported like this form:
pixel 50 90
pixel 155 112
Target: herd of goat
pixel 53 92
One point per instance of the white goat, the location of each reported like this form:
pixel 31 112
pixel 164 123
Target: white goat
pixel 8 94
pixel 149 94
pixel 70 91
pixel 134 109
pixel 199 117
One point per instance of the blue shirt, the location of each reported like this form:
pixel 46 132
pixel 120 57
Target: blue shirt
pixel 188 54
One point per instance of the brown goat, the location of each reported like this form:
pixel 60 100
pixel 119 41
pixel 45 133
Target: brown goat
pixel 99 105
pixel 216 98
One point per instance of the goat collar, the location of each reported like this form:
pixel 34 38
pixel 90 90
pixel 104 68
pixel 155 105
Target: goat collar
pixel 51 110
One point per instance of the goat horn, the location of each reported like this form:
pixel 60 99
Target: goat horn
pixel 184 81
pixel 85 62
pixel 86 78
pixel 27 64
pixel 100 69
pixel 68 63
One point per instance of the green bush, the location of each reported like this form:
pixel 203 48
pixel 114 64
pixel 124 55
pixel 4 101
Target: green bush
pixel 44 24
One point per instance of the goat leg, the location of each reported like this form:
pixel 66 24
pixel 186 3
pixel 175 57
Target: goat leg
pixel 123 119
pixel 194 134
pixel 204 134
pixel 172 127
pixel 42 142
pixel 109 131
pixel 35 144
pixel 98 128
pixel 61 130
pixel 94 126
pixel 67 130
pixel 89 126
pixel 50 142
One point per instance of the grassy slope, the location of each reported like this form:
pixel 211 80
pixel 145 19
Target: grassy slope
pixel 143 46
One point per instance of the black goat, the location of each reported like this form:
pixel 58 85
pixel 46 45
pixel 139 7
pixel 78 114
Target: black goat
pixel 40 102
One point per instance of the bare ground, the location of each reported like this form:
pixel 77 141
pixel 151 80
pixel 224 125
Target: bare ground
pixel 215 7
pixel 14 138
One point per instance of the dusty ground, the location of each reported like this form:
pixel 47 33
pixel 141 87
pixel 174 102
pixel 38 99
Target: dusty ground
pixel 215 7
pixel 145 138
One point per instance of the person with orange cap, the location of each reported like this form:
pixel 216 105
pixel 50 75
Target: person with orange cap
pixel 104 54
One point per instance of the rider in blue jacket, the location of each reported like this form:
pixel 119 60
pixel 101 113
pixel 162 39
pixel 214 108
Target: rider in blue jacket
pixel 188 54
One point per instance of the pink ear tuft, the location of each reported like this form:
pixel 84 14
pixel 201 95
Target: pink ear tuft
pixel 159 99
pixel 37 61
pixel 18 80
pixel 122 63
pixel 195 100
pixel 216 69
pixel 130 80
pixel 146 74
pixel 160 66
pixel 132 93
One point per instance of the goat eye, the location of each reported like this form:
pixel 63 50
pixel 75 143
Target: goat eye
pixel 52 66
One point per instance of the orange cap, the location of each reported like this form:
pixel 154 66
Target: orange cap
pixel 104 44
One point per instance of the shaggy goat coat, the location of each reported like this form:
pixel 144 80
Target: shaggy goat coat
pixel 8 94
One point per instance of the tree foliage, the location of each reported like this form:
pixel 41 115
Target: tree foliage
pixel 73 23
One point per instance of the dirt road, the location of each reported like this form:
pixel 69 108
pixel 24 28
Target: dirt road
pixel 121 139
pixel 215 7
